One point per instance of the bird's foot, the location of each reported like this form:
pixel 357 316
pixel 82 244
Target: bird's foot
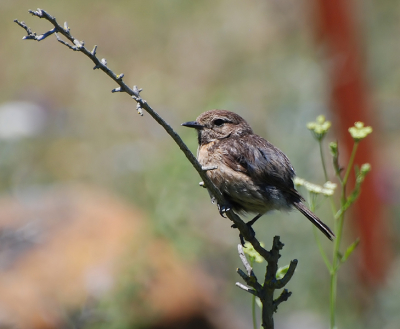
pixel 252 232
pixel 241 237
pixel 223 209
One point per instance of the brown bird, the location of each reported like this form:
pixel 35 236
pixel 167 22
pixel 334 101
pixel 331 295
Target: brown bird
pixel 252 174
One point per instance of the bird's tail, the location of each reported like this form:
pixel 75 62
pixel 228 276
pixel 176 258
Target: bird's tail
pixel 314 219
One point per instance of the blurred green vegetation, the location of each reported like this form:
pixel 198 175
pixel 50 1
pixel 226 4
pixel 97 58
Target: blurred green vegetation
pixel 256 58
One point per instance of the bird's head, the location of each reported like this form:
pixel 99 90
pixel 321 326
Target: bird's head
pixel 219 124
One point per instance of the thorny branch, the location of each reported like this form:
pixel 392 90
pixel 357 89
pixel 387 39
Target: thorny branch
pixel 270 256
pixel 142 105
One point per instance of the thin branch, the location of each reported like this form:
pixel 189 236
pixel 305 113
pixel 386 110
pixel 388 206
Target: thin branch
pixel 247 289
pixel 282 298
pixel 282 282
pixel 265 291
pixel 251 281
pixel 143 105
pixel 244 260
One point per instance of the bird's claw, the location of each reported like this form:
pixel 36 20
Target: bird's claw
pixel 223 209
pixel 242 242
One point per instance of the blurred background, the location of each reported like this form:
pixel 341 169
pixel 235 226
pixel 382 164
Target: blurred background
pixel 103 224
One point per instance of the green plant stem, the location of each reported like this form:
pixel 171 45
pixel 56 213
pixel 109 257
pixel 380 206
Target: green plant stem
pixel 333 288
pixel 335 263
pixel 321 250
pixel 333 206
pixel 253 301
pixel 253 311
pixel 339 231
pixel 349 167
pixel 323 160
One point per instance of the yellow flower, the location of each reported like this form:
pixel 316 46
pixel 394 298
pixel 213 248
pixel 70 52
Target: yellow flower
pixel 327 189
pixel 320 127
pixel 359 132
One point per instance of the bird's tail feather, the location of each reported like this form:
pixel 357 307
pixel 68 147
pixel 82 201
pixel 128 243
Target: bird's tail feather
pixel 314 219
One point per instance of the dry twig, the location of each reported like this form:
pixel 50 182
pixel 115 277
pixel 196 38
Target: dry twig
pixel 271 257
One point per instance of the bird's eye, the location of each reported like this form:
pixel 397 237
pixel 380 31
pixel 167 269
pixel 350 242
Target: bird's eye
pixel 219 122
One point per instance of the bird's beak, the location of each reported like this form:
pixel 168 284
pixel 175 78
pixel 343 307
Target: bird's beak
pixel 193 124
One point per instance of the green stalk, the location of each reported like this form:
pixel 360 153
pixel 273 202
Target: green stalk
pixel 323 160
pixel 253 302
pixel 333 287
pixel 253 312
pixel 326 175
pixel 350 166
pixel 316 234
pixel 339 231
pixel 335 262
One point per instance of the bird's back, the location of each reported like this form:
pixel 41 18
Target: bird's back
pixel 249 173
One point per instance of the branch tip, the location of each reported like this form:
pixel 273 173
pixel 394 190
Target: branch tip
pixel 288 275
pixel 282 298
pixel 245 288
pixel 244 276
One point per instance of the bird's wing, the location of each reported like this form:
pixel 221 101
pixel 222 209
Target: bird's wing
pixel 260 160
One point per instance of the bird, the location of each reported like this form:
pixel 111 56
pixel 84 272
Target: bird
pixel 253 175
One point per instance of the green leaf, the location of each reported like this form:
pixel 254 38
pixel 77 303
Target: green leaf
pixel 350 250
pixel 281 272
pixel 252 253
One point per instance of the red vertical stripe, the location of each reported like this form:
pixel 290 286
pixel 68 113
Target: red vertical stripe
pixel 350 103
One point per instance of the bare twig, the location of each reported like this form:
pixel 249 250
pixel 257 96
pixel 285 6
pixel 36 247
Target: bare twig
pixel 282 298
pixel 244 260
pixel 142 105
pixel 249 290
pixel 270 256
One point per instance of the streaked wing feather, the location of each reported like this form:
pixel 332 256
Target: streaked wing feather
pixel 260 160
